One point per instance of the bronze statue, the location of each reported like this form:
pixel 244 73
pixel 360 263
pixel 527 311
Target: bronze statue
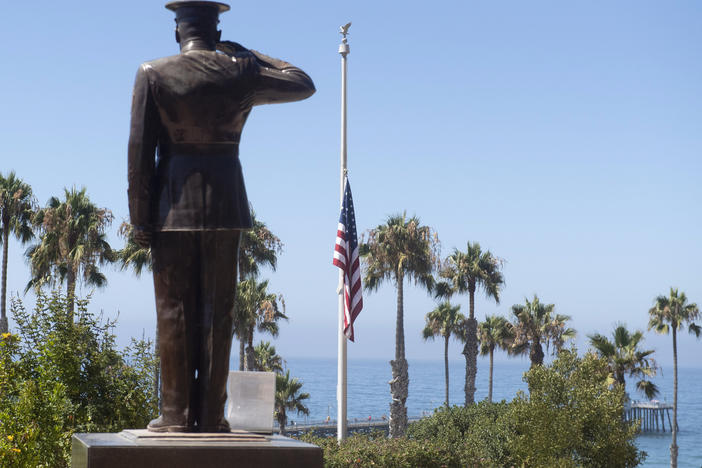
pixel 187 200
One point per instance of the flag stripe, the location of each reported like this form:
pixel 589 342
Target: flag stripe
pixel 347 259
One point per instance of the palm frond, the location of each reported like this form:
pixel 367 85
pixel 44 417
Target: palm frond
pixel 648 388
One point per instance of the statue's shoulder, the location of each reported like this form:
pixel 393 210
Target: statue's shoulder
pixel 160 63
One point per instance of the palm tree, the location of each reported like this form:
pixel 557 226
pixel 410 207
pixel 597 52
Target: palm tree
pixel 467 272
pixel 558 333
pixel 256 309
pixel 258 246
pixel 401 248
pixel 536 325
pixel 132 255
pixel 266 358
pixel 444 321
pixel 625 358
pixel 669 314
pixel 73 243
pixel 16 211
pixel 494 332
pixel 288 398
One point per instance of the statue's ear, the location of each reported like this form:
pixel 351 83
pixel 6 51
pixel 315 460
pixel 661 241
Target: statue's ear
pixel 218 36
pixel 177 35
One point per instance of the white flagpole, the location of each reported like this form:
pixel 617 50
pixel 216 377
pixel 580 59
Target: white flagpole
pixel 341 365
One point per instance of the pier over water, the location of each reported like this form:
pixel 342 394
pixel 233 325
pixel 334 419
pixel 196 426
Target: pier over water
pixel 652 415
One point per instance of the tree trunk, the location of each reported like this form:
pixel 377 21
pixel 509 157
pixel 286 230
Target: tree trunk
pixel 70 290
pixel 250 359
pixel 4 327
pixel 242 359
pixel 674 444
pixel 620 378
pixel 471 302
pixel 492 352
pixel 281 421
pixel 250 354
pixel 446 367
pixel 400 377
pixel 470 351
pixel 400 320
pixel 536 353
pixel 398 390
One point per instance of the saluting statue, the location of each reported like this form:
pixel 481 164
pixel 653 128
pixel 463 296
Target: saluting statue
pixel 187 200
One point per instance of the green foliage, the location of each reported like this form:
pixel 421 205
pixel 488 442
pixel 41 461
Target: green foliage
pixel 672 312
pixel 495 332
pixel 479 432
pixel 32 413
pixel 258 247
pixel 443 321
pixel 571 418
pixel 471 270
pixel 400 248
pixel 16 211
pixel 536 324
pixel 73 242
pixel 624 357
pixel 132 255
pixel 266 359
pixel 360 451
pixel 58 377
pixel 288 398
pixel 256 309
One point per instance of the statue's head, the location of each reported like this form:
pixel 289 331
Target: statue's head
pixel 197 19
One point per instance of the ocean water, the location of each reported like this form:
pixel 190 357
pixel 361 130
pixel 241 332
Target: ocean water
pixel 369 396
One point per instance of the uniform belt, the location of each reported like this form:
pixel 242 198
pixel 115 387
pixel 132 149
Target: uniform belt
pixel 199 149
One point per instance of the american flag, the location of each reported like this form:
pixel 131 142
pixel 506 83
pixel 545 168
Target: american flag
pixel 346 258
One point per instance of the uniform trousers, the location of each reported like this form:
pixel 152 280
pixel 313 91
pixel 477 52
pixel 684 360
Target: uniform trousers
pixel 195 277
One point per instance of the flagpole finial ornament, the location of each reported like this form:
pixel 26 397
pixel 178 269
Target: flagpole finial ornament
pixel 344 30
pixel 344 46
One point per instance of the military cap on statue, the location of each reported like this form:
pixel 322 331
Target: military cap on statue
pixel 174 6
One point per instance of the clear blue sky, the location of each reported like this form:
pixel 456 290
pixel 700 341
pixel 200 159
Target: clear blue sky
pixel 565 137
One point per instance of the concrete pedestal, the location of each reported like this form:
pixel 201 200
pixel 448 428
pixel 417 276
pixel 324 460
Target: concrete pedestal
pixel 144 449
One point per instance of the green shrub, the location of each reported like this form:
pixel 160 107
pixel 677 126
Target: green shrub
pixel 479 432
pixel 364 450
pixel 58 377
pixel 570 418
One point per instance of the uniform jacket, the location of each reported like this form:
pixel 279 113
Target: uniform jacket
pixel 188 112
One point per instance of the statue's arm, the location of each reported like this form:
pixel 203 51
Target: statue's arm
pixel 278 81
pixel 143 137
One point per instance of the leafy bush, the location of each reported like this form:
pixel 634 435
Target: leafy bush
pixel 58 377
pixel 364 450
pixel 571 417
pixel 480 432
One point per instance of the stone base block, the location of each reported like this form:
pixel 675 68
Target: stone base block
pixel 238 449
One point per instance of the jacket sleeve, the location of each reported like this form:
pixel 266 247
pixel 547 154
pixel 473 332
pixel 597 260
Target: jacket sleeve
pixel 280 81
pixel 143 137
pixel 276 80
